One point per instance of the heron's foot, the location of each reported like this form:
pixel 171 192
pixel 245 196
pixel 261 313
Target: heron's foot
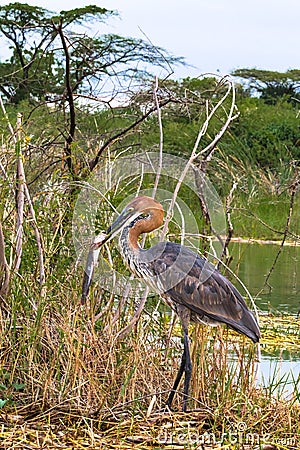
pixel 168 408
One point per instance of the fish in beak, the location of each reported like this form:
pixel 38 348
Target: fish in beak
pixel 126 216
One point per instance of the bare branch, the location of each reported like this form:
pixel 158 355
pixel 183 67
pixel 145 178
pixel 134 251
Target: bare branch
pixel 93 163
pixel 229 223
pixel 207 152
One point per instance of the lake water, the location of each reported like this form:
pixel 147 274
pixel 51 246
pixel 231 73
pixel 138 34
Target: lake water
pixel 252 263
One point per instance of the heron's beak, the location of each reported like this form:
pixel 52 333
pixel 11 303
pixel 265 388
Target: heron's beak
pixel 125 217
pixel 119 223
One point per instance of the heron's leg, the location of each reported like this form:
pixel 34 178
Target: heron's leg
pixel 187 370
pixel 178 378
pixel 186 364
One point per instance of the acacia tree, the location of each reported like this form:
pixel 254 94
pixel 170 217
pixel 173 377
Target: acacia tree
pixel 51 59
pixel 41 42
pixel 271 85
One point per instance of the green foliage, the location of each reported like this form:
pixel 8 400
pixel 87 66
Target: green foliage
pixel 268 135
pixel 85 14
pixel 15 18
pixel 29 63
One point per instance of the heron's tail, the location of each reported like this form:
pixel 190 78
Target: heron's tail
pixel 247 325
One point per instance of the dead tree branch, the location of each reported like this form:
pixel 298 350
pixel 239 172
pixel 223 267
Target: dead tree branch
pixel 229 199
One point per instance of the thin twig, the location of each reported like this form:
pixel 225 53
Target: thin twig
pixel 286 231
pixel 12 132
pixel 229 223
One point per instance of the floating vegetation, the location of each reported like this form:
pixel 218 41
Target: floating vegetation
pixel 280 333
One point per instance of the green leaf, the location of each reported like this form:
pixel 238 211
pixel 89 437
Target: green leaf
pixel 3 402
pixel 18 386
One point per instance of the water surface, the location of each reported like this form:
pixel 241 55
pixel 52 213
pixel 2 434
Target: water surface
pixel 252 262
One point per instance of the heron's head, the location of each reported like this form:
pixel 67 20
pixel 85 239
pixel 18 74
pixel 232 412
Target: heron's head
pixel 143 211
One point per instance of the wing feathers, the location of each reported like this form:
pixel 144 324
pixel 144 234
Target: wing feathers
pixel 193 282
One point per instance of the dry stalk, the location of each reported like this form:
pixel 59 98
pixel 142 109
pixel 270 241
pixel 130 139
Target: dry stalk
pixel 22 193
pixel 11 130
pixel 39 240
pixel 4 267
pixel 20 197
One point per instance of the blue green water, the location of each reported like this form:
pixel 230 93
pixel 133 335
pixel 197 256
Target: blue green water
pixel 252 263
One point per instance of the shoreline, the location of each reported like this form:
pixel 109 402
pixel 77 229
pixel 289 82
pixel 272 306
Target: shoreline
pixel 265 241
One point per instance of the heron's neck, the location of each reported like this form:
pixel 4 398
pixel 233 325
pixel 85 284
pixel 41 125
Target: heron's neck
pixel 130 250
pixel 129 241
pixel 130 234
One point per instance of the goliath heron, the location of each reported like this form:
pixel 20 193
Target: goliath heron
pixel 188 283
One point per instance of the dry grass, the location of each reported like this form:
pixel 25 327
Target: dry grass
pixel 68 383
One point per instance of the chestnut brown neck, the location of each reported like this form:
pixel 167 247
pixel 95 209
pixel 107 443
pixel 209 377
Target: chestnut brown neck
pixel 145 225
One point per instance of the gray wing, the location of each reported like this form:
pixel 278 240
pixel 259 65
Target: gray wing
pixel 191 281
